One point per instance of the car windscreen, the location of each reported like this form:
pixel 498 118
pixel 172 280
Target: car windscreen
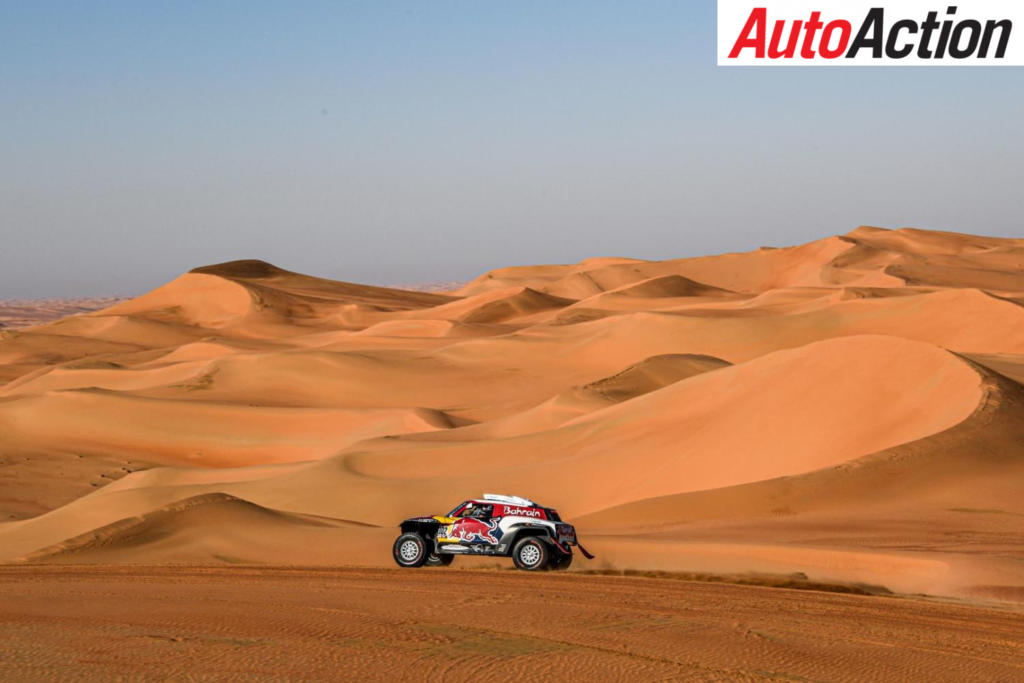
pixel 456 509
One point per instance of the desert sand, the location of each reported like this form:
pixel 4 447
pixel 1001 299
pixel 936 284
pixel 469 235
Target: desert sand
pixel 388 624
pixel 850 409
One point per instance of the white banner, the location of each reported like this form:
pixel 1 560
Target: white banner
pixel 880 33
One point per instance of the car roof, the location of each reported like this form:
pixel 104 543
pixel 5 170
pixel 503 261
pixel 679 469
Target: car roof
pixel 482 501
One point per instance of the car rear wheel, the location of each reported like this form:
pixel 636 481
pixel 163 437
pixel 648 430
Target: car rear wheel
pixel 560 560
pixel 531 554
pixel 410 550
pixel 439 559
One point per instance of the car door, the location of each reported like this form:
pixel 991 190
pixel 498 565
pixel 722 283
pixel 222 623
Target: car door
pixel 475 526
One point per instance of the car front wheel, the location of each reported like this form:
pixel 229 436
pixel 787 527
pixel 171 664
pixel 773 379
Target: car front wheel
pixel 531 554
pixel 410 550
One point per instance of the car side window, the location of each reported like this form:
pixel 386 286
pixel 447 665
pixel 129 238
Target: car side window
pixel 477 511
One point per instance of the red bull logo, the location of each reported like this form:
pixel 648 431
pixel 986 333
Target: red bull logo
pixel 473 530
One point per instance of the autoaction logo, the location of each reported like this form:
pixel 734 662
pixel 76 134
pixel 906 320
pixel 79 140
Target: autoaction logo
pixel 823 33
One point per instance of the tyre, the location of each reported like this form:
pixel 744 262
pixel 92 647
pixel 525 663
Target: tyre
pixel 410 550
pixel 560 560
pixel 439 559
pixel 531 554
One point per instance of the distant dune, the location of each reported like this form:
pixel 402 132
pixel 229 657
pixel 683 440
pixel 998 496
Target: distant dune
pixel 16 313
pixel 850 409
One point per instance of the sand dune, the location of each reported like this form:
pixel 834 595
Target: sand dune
pixel 209 529
pixel 192 299
pixel 495 306
pixel 185 432
pixel 784 414
pixel 668 286
pixel 636 380
pixel 652 373
pixel 849 408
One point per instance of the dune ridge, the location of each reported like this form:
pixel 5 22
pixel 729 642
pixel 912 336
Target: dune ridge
pixel 850 408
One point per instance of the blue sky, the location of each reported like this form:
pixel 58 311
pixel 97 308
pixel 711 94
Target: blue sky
pixel 393 142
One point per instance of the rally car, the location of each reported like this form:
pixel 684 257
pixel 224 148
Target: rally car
pixel 534 536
